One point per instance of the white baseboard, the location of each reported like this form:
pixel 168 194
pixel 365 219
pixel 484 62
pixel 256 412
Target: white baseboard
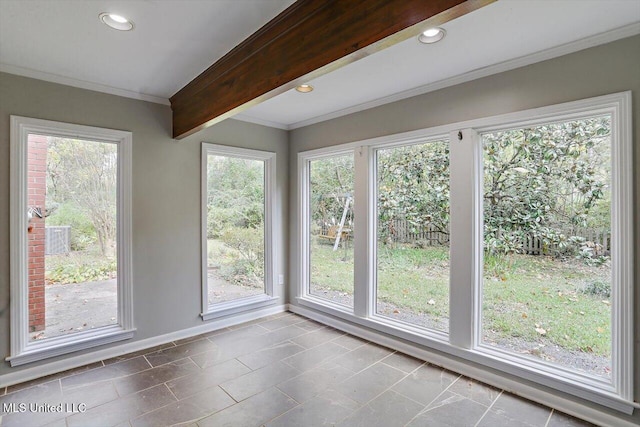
pixel 584 411
pixel 71 362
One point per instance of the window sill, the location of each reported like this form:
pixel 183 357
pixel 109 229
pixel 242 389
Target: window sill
pixel 58 346
pixel 238 306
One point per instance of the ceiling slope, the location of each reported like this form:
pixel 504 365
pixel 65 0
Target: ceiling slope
pixel 310 38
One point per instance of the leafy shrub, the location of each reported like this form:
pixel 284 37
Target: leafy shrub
pixel 247 267
pixel 83 233
pixel 74 272
pixel 597 287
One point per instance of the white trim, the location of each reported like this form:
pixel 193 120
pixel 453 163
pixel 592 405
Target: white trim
pixel 71 362
pixel 82 84
pixel 617 394
pixel 22 350
pixel 303 288
pixel 581 410
pixel 272 231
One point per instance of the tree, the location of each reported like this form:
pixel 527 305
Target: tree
pixel 544 181
pixel 85 172
pixel 413 185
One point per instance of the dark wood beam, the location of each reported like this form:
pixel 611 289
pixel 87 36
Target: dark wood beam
pixel 308 39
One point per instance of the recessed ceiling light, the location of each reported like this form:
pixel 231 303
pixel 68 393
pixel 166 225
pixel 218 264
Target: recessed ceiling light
pixel 432 35
pixel 116 22
pixel 304 88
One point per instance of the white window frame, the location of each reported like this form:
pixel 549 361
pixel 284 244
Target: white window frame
pixel 25 351
pixel 466 174
pixel 272 226
pixel 304 254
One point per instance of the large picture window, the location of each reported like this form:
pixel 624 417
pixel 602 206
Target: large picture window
pixel 238 252
pixel 71 283
pixel 505 241
pixel 412 184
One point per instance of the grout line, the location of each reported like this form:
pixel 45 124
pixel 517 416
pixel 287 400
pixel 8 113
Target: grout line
pixel 435 398
pixel 549 419
pixel 170 391
pixel 227 393
pixel 244 364
pixel 489 408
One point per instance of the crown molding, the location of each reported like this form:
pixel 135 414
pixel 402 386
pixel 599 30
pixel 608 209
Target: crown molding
pixel 82 84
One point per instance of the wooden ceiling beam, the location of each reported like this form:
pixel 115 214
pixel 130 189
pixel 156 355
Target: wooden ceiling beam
pixel 308 39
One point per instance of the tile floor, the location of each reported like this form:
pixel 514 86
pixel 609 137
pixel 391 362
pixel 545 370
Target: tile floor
pixel 282 370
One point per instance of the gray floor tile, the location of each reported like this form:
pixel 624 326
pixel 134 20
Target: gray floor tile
pixel 362 357
pixel 48 378
pixel 187 410
pixel 259 380
pixel 349 341
pixel 319 411
pixel 494 419
pixel 454 412
pixel 110 372
pixel 158 375
pixel 390 409
pixel 478 392
pixel 270 355
pixel 315 338
pixel 403 362
pixel 425 384
pixel 517 408
pixel 32 394
pixel 314 381
pixel 253 412
pixel 138 353
pixel 178 352
pixel 558 419
pixel 281 322
pixel 207 378
pixel 312 358
pixel 310 325
pixel 124 408
pixel 369 383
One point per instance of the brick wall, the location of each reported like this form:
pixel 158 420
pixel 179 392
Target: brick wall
pixel 37 191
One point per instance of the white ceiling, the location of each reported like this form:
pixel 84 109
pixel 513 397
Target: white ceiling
pixel 174 41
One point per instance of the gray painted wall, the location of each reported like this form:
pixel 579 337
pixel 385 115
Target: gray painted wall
pixel 610 68
pixel 166 195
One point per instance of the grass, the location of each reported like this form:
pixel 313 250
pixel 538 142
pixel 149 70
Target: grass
pixel 533 299
pixel 80 266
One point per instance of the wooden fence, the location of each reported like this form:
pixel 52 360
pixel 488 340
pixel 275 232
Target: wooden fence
pixel 400 231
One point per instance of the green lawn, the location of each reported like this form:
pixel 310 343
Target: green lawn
pixel 538 300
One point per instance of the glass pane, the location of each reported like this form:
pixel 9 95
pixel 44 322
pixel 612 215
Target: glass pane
pixel 72 265
pixel 547 236
pixel 413 234
pixel 331 229
pixel 235 228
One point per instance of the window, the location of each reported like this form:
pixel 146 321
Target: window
pixel 70 229
pixel 237 245
pixel 331 228
pixel 412 184
pixel 506 241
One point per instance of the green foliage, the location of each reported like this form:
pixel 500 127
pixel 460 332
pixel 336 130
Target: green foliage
pixel 84 174
pixel 79 269
pixel 331 182
pixel 600 288
pixel 244 263
pixel 413 185
pixel 83 232
pixel 544 182
pixel 235 194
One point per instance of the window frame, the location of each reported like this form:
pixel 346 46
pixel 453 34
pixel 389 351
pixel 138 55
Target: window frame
pixel 271 228
pixel 22 350
pixel 466 221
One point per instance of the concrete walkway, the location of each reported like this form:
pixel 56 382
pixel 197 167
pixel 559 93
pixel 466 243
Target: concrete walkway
pixel 79 306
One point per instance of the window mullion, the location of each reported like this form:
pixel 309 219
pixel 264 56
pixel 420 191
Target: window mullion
pixel 364 237
pixel 464 241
